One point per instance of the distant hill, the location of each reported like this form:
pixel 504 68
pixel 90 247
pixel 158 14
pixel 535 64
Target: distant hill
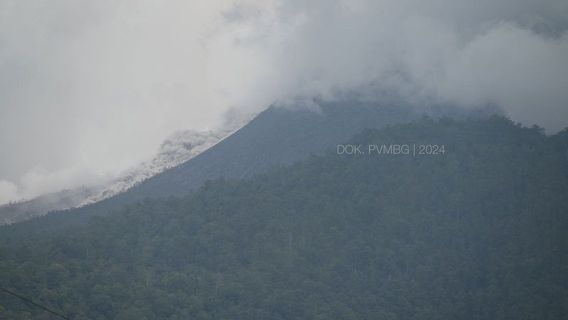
pixel 477 231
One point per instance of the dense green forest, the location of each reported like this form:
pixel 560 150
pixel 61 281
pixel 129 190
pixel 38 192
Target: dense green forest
pixel 478 232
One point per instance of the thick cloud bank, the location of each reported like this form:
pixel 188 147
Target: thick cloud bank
pixel 513 54
pixel 90 88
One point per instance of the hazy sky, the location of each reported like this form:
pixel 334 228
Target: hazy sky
pixel 90 88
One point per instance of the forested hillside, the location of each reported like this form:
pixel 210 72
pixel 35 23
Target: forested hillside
pixel 475 232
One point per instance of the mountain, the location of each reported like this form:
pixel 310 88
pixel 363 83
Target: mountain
pixel 476 231
pixel 178 148
pixel 278 136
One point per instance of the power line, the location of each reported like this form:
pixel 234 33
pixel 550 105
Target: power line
pixel 33 303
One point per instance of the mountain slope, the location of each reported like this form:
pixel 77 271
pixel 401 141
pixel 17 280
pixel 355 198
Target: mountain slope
pixel 277 136
pixel 178 148
pixel 477 232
